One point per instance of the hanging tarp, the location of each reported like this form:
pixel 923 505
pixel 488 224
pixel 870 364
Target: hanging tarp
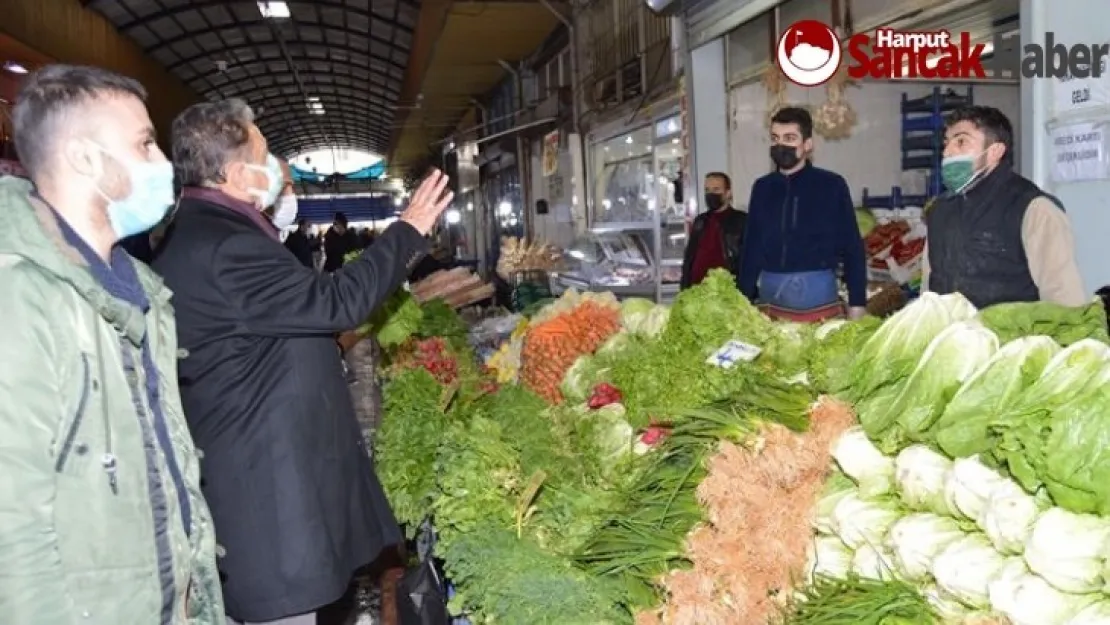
pixel 373 172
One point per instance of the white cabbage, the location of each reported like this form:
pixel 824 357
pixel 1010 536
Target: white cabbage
pixel 1029 600
pixel 864 463
pixel 920 474
pixel 836 488
pixel 947 608
pixel 959 307
pixel 874 562
pixel 916 539
pixel 968 485
pixel 858 522
pixel 965 568
pixel 1008 517
pixel 1069 550
pixel 1097 613
pixel 828 557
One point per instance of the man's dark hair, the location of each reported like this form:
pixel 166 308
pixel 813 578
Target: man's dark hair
pixel 302 222
pixel 795 115
pixel 723 176
pixel 340 219
pixel 206 137
pixel 54 93
pixel 993 123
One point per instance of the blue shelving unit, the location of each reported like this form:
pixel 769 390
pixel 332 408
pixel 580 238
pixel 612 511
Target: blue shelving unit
pixel 922 143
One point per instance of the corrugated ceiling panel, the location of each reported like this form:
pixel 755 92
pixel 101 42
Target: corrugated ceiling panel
pixel 708 19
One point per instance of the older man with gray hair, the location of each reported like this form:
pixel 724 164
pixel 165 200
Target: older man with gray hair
pixel 296 504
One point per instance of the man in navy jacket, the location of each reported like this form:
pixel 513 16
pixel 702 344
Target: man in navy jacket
pixel 801 228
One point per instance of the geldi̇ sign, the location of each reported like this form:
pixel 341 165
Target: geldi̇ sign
pixel 810 53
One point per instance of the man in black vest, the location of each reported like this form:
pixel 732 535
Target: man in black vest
pixel 994 236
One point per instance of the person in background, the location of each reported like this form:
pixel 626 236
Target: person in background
pixel 716 236
pixel 300 243
pixel 801 228
pixel 338 242
pixel 101 514
pixel 293 493
pixel 995 236
pixel 365 238
pixel 284 210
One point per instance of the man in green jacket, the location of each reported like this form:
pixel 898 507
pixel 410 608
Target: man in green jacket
pixel 101 517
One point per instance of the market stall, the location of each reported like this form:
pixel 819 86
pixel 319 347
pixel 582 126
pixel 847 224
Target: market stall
pixel 622 461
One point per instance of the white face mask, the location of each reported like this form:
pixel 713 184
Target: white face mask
pixel 285 211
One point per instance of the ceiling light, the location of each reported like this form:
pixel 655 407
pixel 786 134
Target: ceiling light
pixel 274 10
pixel 628 140
pixel 453 216
pixel 15 68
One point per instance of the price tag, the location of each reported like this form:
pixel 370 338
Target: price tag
pixel 733 352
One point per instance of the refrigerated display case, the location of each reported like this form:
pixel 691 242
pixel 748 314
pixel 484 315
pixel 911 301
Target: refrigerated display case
pixel 636 177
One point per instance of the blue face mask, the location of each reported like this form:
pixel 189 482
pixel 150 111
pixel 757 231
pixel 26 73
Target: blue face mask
pixel 150 198
pixel 275 180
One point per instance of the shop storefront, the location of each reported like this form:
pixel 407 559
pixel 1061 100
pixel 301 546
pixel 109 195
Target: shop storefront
pixel 884 136
pixel 635 209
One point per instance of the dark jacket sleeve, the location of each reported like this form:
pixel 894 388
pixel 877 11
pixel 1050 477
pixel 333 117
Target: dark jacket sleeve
pixel 278 296
pixel 691 250
pixel 851 248
pixel 747 274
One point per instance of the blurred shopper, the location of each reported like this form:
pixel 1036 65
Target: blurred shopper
pixel 293 493
pixel 300 242
pixel 338 242
pixel 717 235
pixel 101 514
pixel 801 228
pixel 995 236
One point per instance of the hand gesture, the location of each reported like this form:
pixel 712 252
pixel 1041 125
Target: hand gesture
pixel 428 202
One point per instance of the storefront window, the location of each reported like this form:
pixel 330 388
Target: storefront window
pixel 668 166
pixel 625 180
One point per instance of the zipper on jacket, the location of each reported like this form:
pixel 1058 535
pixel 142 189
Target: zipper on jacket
pixel 782 210
pixel 75 425
pixel 794 217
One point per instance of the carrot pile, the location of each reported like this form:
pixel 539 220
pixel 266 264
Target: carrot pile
pixel 552 346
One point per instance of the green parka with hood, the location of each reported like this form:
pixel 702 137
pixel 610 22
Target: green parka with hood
pixel 92 527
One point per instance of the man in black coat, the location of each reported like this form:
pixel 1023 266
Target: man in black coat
pixel 300 242
pixel 338 242
pixel 717 235
pixel 295 502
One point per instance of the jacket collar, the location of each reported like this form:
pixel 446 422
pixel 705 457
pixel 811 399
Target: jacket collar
pixel 239 207
pixel 30 231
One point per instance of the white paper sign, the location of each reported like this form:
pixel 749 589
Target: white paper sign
pixel 733 352
pixel 1079 152
pixel 1076 94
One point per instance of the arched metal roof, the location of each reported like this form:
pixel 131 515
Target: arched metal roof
pixel 347 57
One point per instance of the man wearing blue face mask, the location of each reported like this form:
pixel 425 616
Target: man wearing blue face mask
pixel 994 236
pixel 293 494
pixel 101 514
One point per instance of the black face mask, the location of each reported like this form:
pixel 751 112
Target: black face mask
pixel 713 201
pixel 785 156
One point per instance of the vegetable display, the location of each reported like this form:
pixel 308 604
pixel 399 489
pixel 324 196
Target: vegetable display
pixel 572 326
pixel 701 464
